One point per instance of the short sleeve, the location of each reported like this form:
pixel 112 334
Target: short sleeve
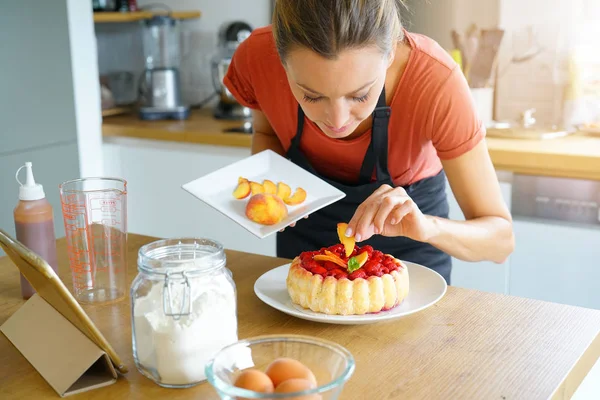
pixel 238 78
pixel 456 127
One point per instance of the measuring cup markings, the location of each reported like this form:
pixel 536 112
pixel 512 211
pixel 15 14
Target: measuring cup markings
pixel 94 218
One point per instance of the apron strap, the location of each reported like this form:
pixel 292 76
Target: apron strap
pixel 377 153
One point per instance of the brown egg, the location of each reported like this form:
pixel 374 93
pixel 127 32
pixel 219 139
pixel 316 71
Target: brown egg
pixel 253 379
pixel 298 385
pixel 283 369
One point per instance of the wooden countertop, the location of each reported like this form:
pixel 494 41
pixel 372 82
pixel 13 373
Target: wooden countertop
pixel 200 128
pixel 470 345
pixel 576 156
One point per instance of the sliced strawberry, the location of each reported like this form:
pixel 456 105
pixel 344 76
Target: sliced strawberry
pixel 367 248
pixel 337 248
pixel 340 275
pixel 330 266
pixel 359 273
pixel 318 271
pixel 335 271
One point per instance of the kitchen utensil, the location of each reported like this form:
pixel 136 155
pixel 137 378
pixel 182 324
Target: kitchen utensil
pixel 331 364
pixel 216 189
pixel 231 35
pixel 95 219
pixel 160 86
pixel 471 45
pixel 480 70
pixel 427 287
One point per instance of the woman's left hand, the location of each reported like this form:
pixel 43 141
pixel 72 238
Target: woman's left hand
pixel 390 212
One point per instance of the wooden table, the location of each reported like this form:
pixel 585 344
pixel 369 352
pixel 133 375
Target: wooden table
pixel 470 345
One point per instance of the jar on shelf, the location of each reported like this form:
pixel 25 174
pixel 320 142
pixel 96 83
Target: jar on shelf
pixel 183 309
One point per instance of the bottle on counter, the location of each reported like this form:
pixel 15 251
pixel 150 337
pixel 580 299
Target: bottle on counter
pixel 34 224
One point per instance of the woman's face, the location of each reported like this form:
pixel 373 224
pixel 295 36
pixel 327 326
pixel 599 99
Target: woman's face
pixel 339 94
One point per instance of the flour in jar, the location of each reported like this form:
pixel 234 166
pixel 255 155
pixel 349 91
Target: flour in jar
pixel 179 349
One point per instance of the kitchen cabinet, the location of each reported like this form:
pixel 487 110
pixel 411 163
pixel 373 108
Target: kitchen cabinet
pixel 487 276
pixel 556 262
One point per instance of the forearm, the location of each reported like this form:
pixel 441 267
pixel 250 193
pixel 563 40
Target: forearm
pixel 262 141
pixel 485 238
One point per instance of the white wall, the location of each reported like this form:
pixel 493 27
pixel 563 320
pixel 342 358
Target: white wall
pixel 86 89
pixel 437 18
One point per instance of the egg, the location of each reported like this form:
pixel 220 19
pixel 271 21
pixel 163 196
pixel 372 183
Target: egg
pixel 253 379
pixel 283 369
pixel 298 385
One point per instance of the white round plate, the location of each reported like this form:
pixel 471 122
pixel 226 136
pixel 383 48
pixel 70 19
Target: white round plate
pixel 427 287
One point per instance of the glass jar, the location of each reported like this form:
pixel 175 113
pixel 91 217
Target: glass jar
pixel 183 309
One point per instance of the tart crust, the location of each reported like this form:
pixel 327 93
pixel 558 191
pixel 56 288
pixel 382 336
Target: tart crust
pixel 344 296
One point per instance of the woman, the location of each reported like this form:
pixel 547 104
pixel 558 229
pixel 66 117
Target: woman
pixel 342 90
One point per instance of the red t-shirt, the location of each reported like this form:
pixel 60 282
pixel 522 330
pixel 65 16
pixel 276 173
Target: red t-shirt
pixel 432 117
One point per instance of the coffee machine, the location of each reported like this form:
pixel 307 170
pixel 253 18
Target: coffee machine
pixel 160 83
pixel 230 36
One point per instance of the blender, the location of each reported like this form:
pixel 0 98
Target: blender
pixel 160 86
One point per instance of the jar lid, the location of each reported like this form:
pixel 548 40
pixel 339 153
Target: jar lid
pixel 179 255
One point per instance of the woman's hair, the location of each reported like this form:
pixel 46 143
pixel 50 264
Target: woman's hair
pixel 331 26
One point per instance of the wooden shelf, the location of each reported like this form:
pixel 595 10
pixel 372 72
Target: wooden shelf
pixel 120 17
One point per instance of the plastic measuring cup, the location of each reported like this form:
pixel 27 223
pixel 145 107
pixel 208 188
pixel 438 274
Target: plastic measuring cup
pixel 95 217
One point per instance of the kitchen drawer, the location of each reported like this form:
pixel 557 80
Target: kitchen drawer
pixel 556 262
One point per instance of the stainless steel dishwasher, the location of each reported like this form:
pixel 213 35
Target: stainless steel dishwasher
pixel 557 229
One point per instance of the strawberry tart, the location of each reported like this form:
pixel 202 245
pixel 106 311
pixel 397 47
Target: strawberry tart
pixel 345 279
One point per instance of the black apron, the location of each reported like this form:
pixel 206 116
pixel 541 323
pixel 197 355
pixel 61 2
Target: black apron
pixel 319 230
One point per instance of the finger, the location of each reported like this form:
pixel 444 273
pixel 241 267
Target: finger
pixel 293 224
pixel 352 225
pixel 401 211
pixel 365 227
pixel 388 204
pixel 306 217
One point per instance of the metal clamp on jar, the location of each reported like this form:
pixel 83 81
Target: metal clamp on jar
pixel 183 309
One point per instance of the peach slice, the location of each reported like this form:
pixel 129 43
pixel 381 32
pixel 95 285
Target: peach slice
pixel 283 190
pixel 362 258
pixel 269 186
pixel 329 253
pixel 242 190
pixel 266 209
pixel 242 179
pixel 348 242
pixel 256 188
pixel 298 197
pixel 333 259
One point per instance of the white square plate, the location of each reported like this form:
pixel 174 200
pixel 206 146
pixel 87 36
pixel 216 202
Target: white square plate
pixel 216 189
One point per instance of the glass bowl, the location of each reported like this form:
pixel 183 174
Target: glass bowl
pixel 331 364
